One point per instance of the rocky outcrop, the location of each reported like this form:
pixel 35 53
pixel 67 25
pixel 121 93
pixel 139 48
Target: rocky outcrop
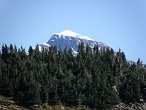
pixel 131 106
pixel 9 104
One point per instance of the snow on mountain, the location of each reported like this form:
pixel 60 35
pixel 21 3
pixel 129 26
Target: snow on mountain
pixel 68 33
pixel 69 39
pixel 45 45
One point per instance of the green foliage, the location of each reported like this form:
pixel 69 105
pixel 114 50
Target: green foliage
pixel 95 78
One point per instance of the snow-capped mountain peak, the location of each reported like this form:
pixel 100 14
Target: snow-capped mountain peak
pixel 68 33
pixel 69 39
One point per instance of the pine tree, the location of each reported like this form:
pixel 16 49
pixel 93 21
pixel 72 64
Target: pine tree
pixel 30 52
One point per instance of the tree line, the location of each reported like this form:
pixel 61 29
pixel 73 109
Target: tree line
pixel 94 78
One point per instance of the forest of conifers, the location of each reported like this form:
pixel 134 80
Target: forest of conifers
pixel 94 78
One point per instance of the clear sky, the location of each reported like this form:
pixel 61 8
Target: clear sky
pixel 118 23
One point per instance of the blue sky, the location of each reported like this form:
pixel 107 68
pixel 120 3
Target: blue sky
pixel 118 23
